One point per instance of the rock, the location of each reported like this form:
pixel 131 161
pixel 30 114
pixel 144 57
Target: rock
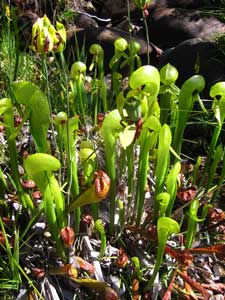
pixel 170 26
pixel 186 57
pixel 25 22
pixel 184 3
pixel 114 7
pixel 195 56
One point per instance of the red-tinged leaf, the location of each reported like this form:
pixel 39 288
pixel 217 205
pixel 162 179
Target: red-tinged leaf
pixel 135 289
pixel 217 249
pixel 110 294
pixel 67 236
pixel 189 289
pixel 67 270
pixel 84 265
pixel 39 273
pixel 167 295
pixel 149 233
pixel 2 238
pixel 101 286
pixel 7 220
pixel 87 219
pixel 28 184
pixel 215 215
pixel 36 195
pixel 216 287
pixel 100 119
pixel 184 258
pixel 181 292
pixel 102 184
pixel 187 194
pixel 95 193
pixel 194 284
pixel 122 259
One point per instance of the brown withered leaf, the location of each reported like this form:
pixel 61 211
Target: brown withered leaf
pixel 67 235
pixel 122 259
pixel 183 257
pixel 110 294
pixel 91 283
pixel 186 194
pixel 28 184
pixel 194 284
pixel 67 270
pixel 85 265
pixel 2 238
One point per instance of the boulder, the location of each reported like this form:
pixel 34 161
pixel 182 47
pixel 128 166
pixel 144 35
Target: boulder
pixel 196 56
pixel 168 27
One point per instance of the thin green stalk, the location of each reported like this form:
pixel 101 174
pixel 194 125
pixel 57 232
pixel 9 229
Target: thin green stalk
pixel 78 70
pixel 35 217
pixel 212 147
pixel 40 168
pixel 168 94
pixel 130 35
pixel 121 213
pixel 45 73
pixel 30 282
pixel 7 110
pixel 217 91
pixel 217 156
pixel 3 183
pixel 162 164
pixel 165 227
pixel 171 186
pixel 148 142
pixel 110 129
pixel 192 224
pixel 12 256
pixel 66 129
pixel 100 228
pixel 147 36
pixel 131 173
pixel 221 179
pixel 196 170
pixel 73 185
pixel 193 221
pixel 188 92
pixel 81 98
pixel 72 167
pixel 17 52
pixel 98 80
pixel 9 44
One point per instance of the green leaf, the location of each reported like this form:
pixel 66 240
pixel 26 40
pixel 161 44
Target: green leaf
pixel 40 162
pixel 127 136
pixel 147 76
pixel 165 227
pixel 171 184
pixel 168 74
pixel 152 123
pixel 163 200
pixel 163 156
pixel 31 96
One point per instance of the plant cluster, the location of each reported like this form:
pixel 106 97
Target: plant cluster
pixel 117 141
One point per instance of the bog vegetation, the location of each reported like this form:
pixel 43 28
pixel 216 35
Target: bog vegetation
pixel 98 194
